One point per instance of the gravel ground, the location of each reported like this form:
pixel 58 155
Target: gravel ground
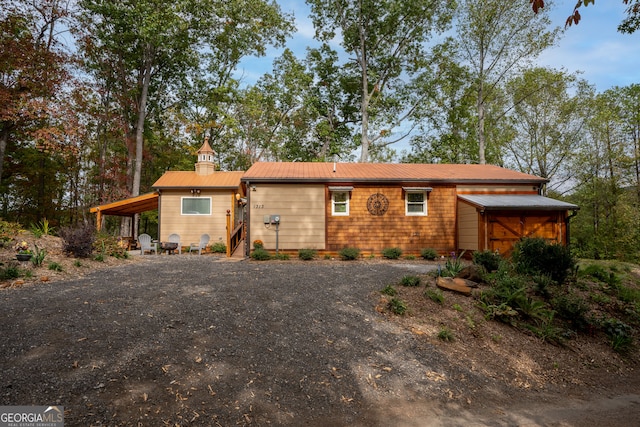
pixel 188 340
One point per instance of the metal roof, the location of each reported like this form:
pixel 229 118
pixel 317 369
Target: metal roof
pixel 385 172
pixel 516 202
pixel 190 179
pixel 129 207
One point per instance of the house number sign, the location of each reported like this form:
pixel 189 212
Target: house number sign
pixel 377 204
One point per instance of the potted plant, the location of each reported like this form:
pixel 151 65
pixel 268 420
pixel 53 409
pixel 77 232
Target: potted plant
pixel 23 251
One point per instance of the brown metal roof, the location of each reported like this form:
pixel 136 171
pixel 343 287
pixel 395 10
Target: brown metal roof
pixel 397 172
pixel 129 207
pixel 190 179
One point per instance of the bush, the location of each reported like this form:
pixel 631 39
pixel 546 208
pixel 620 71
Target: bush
pixel 538 256
pixel 282 256
pixel 349 254
pixel 219 248
pixel 410 281
pixel 307 254
pixel 428 254
pixel 260 254
pixel 435 296
pixel 488 260
pixel 389 290
pixel 108 245
pixel 392 253
pixel 445 334
pixel 453 265
pixel 78 240
pixel 397 306
pixel 38 256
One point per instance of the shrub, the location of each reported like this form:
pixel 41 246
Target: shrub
pixel 537 255
pixel 488 260
pixel 410 281
pixel 453 265
pixel 38 256
pixel 54 266
pixel 392 253
pixel 307 254
pixel 7 231
pixel 219 248
pixel 397 306
pixel 108 245
pixel 619 334
pixel 78 240
pixel 572 308
pixel 258 244
pixel 435 296
pixel 282 256
pixel 10 272
pixel 428 254
pixel 42 228
pixel 260 254
pixel 349 254
pixel 445 334
pixel 389 290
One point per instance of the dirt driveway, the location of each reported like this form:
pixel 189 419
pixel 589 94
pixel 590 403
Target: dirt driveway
pixel 186 340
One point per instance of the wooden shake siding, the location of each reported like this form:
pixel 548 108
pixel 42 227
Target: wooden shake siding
pixel 190 227
pixel 371 234
pixel 468 227
pixel 301 208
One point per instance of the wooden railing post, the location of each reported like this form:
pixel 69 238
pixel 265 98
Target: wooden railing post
pixel 228 233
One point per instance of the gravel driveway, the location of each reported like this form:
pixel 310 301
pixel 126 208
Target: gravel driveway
pixel 187 340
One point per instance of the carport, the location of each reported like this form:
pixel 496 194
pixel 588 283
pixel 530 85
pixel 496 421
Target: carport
pixel 128 208
pixel 497 222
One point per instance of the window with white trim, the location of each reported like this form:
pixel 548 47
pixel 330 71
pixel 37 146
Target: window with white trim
pixel 196 206
pixel 340 203
pixel 415 203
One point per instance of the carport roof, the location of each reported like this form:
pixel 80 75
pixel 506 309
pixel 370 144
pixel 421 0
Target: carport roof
pixel 129 207
pixel 516 202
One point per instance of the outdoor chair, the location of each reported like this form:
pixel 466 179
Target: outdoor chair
pixel 144 240
pixel 204 240
pixel 175 238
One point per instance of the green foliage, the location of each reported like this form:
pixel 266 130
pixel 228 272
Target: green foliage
pixel 619 333
pixel 11 271
pixel 392 253
pixel 389 290
pixel 78 240
pixel 397 306
pixel 99 257
pixel 282 256
pixel 453 265
pixel 54 266
pixel 260 254
pixel 445 334
pixel 410 257
pixel 573 309
pixel 488 260
pixel 428 254
pixel 349 254
pixel 219 248
pixel 307 254
pixel 108 245
pixel 8 230
pixel 538 256
pixel 38 256
pixel 42 228
pixel 435 296
pixel 77 263
pixel 409 280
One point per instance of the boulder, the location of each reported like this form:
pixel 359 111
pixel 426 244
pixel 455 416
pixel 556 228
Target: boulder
pixel 471 272
pixel 456 284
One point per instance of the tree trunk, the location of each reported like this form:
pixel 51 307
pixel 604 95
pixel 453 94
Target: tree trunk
pixel 4 137
pixel 481 114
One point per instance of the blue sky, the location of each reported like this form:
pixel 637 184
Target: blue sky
pixel 605 57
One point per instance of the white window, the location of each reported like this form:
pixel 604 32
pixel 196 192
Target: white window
pixel 196 206
pixel 340 203
pixel 416 203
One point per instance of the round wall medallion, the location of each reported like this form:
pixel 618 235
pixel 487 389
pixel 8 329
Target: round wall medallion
pixel 377 204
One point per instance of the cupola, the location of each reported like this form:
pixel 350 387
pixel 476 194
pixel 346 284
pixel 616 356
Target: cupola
pixel 205 164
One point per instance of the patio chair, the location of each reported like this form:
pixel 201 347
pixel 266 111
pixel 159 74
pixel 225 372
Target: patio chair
pixel 204 240
pixel 144 240
pixel 175 238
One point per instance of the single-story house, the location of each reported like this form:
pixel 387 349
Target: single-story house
pixel 330 206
